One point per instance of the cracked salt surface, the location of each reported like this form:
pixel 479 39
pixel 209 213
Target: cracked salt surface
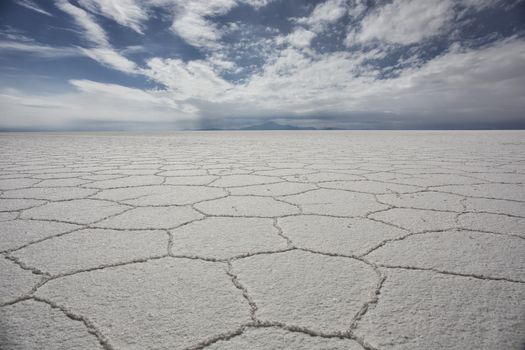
pixel 289 240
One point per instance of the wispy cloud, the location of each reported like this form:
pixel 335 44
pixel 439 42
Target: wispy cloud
pixel 187 81
pixel 404 22
pixel 128 13
pixel 101 49
pixel 191 22
pixel 411 21
pixel 33 6
pixel 38 49
pixel 110 57
pixel 93 32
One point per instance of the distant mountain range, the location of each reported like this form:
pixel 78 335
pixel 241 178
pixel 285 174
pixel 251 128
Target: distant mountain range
pixel 274 126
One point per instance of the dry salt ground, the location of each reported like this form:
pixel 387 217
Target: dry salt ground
pixel 263 240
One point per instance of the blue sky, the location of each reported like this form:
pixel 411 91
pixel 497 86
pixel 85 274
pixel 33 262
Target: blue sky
pixel 178 64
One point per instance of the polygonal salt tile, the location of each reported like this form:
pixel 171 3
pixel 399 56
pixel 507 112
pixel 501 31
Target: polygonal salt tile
pixel 278 339
pixel 151 218
pixel 190 180
pixel 134 172
pixel 184 172
pixel 36 325
pixel 108 170
pixel 179 167
pixel 374 187
pixel 431 168
pixel 50 193
pixel 277 189
pixel 7 175
pixel 493 222
pixel 385 176
pixel 67 175
pixel 100 177
pixel 417 220
pixel 497 206
pixel 161 195
pixel 161 304
pixel 321 177
pixel 284 172
pixel 335 202
pixel 147 165
pixel 426 310
pixel 57 170
pixel 424 200
pixel 501 177
pixel 376 166
pixel 228 172
pixel 6 216
pixel 129 181
pixel 318 292
pixel 70 182
pixel 256 167
pixel 36 168
pixel 326 164
pixel 91 248
pixel 499 191
pixel 16 282
pixel 346 236
pixel 222 238
pixel 80 211
pixel 243 180
pixel 11 204
pixel 11 184
pixel 17 233
pixel 285 164
pixel 426 180
pixel 246 206
pixel 463 252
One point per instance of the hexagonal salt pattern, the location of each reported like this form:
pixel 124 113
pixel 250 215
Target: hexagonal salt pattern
pixel 318 292
pixel 461 252
pixel 14 234
pixel 343 236
pixel 50 193
pixel 16 282
pixel 290 240
pixel 496 223
pixel 221 238
pixel 92 248
pixel 145 218
pixel 425 310
pixel 335 202
pixel 246 206
pixel 161 304
pixel 36 325
pixel 161 195
pixel 417 220
pixel 278 339
pixel 79 211
pixel 13 204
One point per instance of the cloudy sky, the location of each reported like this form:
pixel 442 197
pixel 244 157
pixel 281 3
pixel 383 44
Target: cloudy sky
pixel 179 64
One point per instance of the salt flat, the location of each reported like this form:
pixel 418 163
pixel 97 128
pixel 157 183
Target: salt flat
pixel 263 240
